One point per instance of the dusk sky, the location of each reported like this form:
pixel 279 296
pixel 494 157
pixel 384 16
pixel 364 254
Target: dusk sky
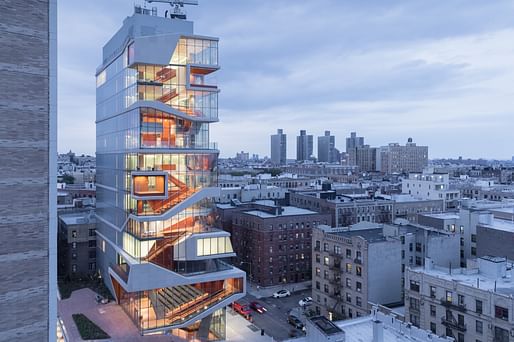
pixel 441 72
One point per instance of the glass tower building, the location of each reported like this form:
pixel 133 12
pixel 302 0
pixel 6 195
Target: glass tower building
pixel 159 251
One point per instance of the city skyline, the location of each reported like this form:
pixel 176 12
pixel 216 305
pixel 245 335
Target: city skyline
pixel 443 82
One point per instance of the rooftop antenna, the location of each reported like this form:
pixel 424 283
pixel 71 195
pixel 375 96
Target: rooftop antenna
pixel 177 6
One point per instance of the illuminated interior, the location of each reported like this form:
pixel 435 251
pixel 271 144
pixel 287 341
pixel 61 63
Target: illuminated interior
pixel 170 306
pixel 149 185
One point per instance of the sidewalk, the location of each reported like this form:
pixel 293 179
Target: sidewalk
pixel 263 292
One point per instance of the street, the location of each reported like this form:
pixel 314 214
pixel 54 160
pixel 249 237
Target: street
pixel 274 321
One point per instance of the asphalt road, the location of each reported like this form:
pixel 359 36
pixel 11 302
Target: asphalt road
pixel 274 321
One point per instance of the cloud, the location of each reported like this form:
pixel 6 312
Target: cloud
pixel 440 72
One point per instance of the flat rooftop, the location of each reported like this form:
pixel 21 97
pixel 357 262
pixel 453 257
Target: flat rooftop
pixel 78 218
pixel 287 211
pixel 443 216
pixel 469 278
pixel 499 224
pixel 370 235
pixel 326 326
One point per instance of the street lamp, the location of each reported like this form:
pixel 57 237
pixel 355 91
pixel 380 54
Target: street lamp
pixel 250 268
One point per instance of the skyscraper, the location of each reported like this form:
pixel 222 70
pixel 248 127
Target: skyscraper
pixel 304 146
pixel 354 141
pixel 158 249
pixel 327 151
pixel 28 201
pixel 279 148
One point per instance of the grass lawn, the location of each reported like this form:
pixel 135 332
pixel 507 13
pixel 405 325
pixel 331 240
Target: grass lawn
pixel 66 287
pixel 87 329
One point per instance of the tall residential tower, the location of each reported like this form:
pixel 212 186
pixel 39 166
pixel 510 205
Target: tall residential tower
pixel 158 249
pixel 28 153
pixel 304 146
pixel 279 148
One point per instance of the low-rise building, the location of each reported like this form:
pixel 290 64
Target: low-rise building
pixel 354 267
pixel 471 304
pixel 367 262
pixel 431 185
pixel 77 244
pixel 382 325
pixel 273 243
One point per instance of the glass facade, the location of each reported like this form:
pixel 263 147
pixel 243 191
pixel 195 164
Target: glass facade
pixel 151 157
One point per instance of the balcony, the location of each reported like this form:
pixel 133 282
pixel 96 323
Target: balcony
pixel 450 305
pixel 450 322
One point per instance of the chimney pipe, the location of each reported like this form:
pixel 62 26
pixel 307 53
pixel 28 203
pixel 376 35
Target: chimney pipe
pixel 378 331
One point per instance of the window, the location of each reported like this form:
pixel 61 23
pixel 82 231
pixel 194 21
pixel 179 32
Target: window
pixel 325 274
pixel 358 271
pixel 358 286
pixel 318 260
pixel 348 283
pixel 414 286
pixel 214 245
pixel 348 268
pixel 479 327
pixel 478 306
pixel 432 292
pixel 433 328
pixel 326 261
pixel 473 251
pixel 460 299
pixel 318 245
pixel 418 247
pixel 501 335
pixel 73 245
pixel 74 268
pixel 414 319
pixel 501 313
pixel 317 285
pixel 418 261
pixel 349 253
pixel 433 311
pixel 318 272
pixel 449 296
pixel 92 254
pixel 326 289
pixel 414 304
pixel 325 247
pixel 460 337
pixel 348 298
pixel 358 301
pixel 92 266
pixel 92 243
pixel 73 233
pixel 473 238
pixel 74 256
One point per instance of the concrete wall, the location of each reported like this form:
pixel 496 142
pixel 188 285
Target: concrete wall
pixel 28 186
pixel 495 242
pixel 384 272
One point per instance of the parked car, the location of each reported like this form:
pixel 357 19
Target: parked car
pixel 305 301
pixel 258 307
pixel 281 294
pixel 295 322
pixel 243 309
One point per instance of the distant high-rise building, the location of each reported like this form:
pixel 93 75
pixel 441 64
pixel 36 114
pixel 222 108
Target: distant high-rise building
pixel 279 148
pixel 395 158
pixel 365 157
pixel 243 156
pixel 304 146
pixel 327 151
pixel 159 250
pixel 28 200
pixel 354 141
